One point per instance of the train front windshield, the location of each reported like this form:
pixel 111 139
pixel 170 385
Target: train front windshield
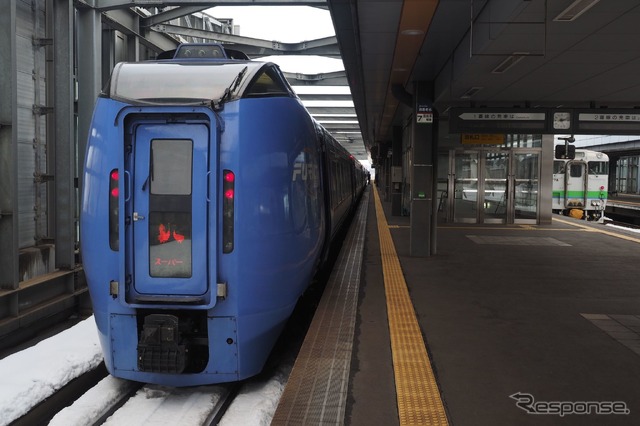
pixel 172 82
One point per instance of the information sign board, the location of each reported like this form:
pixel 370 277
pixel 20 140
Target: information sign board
pixel 608 122
pixel 483 138
pixel 497 120
pixel 424 114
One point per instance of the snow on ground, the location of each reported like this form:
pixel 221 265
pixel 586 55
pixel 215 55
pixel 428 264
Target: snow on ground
pixel 32 375
pixel 256 402
pixel 167 406
pixel 94 404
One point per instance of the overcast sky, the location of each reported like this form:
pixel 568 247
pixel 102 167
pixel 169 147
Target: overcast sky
pixel 287 24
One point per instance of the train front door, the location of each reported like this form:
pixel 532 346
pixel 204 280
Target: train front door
pixel 526 184
pixel 490 186
pixel 464 183
pixel 168 241
pixel 575 195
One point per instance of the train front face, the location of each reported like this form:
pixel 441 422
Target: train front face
pixel 201 221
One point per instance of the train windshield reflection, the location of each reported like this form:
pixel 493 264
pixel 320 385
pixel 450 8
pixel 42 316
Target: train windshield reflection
pixel 157 82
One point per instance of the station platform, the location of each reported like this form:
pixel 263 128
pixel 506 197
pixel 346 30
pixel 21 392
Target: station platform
pixel 519 324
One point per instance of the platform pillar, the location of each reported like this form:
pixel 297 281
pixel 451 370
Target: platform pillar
pixel 424 145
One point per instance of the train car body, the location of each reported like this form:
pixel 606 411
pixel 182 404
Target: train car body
pixel 210 197
pixel 581 184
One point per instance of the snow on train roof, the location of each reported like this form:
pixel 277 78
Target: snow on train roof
pixel 178 82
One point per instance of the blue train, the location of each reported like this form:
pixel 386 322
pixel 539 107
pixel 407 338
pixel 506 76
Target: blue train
pixel 210 199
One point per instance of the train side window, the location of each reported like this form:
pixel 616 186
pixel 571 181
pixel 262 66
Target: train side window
pixel 334 183
pixel 575 170
pixel 598 168
pixel 267 83
pixel 558 167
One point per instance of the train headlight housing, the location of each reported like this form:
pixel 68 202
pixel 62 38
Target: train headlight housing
pixel 228 198
pixel 114 198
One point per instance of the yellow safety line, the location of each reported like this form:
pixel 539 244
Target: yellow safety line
pixel 601 231
pixel 419 401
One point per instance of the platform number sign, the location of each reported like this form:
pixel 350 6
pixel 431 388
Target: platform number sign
pixel 424 114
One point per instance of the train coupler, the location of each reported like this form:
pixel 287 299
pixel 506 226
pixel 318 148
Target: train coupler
pixel 159 350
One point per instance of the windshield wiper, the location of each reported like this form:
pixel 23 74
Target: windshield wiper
pixel 229 90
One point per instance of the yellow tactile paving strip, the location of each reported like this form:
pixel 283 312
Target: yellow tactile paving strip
pixel 419 401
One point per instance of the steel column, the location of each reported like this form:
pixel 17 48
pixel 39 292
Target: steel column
pixel 64 136
pixel 89 75
pixel 546 180
pixel 9 271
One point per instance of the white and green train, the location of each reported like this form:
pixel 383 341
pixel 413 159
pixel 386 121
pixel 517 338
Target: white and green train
pixel 581 184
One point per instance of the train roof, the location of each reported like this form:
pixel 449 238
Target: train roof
pixel 184 81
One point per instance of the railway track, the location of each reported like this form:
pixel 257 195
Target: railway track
pixel 96 398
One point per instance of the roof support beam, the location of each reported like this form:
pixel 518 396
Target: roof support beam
pixel 118 4
pixel 171 14
pixel 337 78
pixel 255 47
pixel 126 21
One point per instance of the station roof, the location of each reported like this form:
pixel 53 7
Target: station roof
pixel 508 53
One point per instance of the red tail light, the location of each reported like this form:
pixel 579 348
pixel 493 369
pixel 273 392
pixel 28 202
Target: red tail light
pixel 228 191
pixel 114 196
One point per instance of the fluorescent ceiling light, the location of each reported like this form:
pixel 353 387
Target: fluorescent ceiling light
pixel 412 32
pixel 472 91
pixel 509 62
pixel 574 10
